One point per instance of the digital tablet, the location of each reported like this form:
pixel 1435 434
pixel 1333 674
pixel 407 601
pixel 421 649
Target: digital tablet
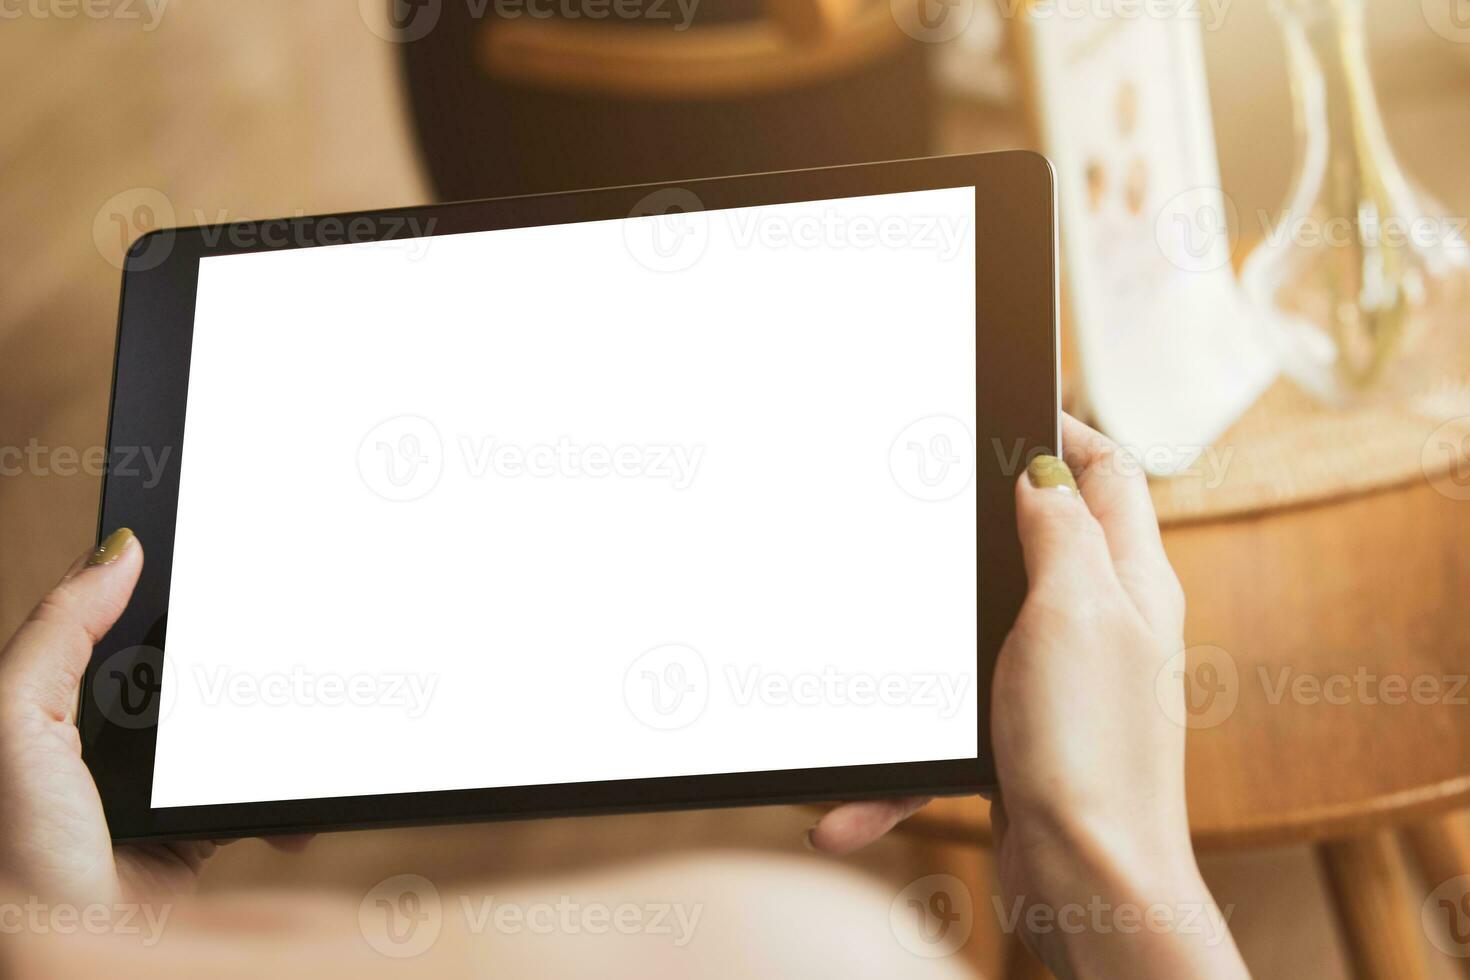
pixel 678 495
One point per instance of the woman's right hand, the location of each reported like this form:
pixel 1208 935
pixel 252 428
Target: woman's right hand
pixel 1092 843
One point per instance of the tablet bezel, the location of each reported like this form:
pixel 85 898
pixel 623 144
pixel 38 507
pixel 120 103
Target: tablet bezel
pixel 1017 386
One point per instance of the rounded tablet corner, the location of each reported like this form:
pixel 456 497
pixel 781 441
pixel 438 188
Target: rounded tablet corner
pixel 149 250
pixel 1034 168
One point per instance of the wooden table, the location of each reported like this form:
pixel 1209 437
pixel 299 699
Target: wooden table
pixel 1348 627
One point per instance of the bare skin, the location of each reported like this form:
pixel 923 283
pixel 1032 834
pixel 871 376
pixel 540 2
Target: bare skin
pixel 56 840
pixel 1091 811
pixel 1091 816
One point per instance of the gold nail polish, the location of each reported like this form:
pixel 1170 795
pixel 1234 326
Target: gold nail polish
pixel 1049 472
pixel 112 548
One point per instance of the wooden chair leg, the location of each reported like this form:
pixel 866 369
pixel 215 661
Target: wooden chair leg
pixel 1441 849
pixel 1375 911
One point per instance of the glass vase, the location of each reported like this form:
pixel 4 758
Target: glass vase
pixel 1366 275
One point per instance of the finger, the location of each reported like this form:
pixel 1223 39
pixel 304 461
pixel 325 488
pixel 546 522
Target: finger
pixel 290 843
pixel 1116 491
pixel 855 825
pixel 1059 536
pixel 41 667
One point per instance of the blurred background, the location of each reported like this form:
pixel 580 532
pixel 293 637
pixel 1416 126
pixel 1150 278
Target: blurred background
pixel 1326 538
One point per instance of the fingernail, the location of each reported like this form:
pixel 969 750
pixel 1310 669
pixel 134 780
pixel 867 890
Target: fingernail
pixel 1050 473
pixel 806 838
pixel 111 549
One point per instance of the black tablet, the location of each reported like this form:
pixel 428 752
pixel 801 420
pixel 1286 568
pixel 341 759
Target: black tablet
pixel 677 495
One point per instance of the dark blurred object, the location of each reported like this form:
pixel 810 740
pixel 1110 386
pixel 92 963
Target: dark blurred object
pixel 514 105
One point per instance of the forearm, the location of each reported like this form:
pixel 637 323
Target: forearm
pixel 1102 909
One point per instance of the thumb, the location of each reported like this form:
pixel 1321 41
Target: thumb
pixel 1058 533
pixel 41 667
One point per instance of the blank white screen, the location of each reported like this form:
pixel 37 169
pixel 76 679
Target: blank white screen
pixel 741 536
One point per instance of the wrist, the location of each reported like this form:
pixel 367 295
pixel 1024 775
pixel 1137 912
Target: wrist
pixel 1091 895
